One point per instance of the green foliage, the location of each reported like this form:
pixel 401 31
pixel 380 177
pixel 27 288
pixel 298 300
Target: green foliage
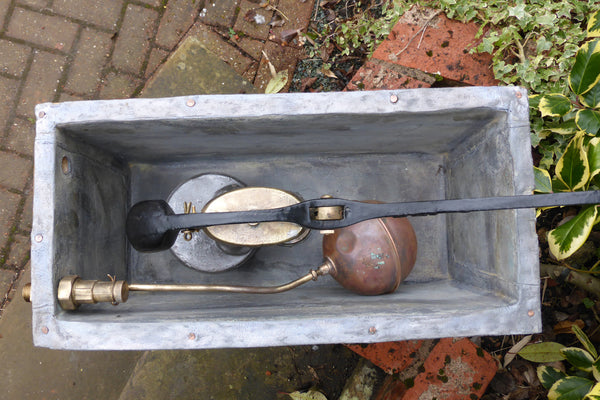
pixel 542 352
pixel 574 120
pixel 575 384
pixel 369 24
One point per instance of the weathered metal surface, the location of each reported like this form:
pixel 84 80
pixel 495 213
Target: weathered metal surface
pixel 474 274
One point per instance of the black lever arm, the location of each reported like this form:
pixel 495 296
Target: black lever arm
pixel 153 226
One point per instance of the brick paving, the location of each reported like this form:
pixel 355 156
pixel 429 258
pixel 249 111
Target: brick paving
pixel 69 50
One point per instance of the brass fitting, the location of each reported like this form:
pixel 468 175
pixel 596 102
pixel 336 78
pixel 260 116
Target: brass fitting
pixel 26 292
pixel 74 291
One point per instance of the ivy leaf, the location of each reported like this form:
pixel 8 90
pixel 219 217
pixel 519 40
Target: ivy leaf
pixel 518 11
pixel 543 183
pixel 312 394
pixel 594 157
pixel 543 45
pixel 549 375
pixel 591 98
pixel 586 70
pixel 570 388
pixel 573 168
pixel 593 26
pixel 588 121
pixel 554 105
pixel 570 236
pixel 542 352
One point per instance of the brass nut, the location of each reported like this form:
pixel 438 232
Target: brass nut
pixel 73 291
pixel 26 292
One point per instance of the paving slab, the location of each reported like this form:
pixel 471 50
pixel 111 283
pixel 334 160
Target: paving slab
pixel 221 47
pixel 192 69
pixel 381 75
pixel 8 88
pixel 35 373
pixel 226 374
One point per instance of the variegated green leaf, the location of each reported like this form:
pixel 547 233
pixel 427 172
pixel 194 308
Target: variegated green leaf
pixel 534 100
pixel 594 157
pixel 585 341
pixel 570 236
pixel 594 394
pixel 596 370
pixel 559 186
pixel 543 183
pixel 586 70
pixel 554 105
pixel 588 121
pixel 572 168
pixel 591 98
pixel 542 352
pixel 593 26
pixel 549 375
pixel 579 358
pixel 565 128
pixel 570 388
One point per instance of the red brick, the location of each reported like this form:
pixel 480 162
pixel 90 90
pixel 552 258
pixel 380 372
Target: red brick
pixel 8 88
pixel 252 47
pixel 27 216
pixel 298 15
pixel 282 58
pixel 14 57
pixel 177 19
pixel 379 75
pixel 15 171
pixel 391 357
pixel 453 371
pixel 392 388
pixel 3 9
pixel 157 57
pixel 8 208
pixel 41 82
pixel 20 137
pixel 49 31
pixel 34 3
pixel 219 12
pixel 117 86
pixel 103 13
pixel 90 58
pixel 19 252
pixel 133 42
pixel 444 48
pixel 251 28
